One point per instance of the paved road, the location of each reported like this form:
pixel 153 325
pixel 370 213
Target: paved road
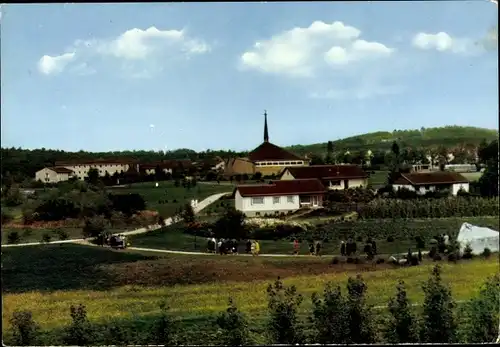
pixel 201 205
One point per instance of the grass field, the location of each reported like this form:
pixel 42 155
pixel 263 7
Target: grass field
pixel 126 286
pixel 378 179
pixel 167 198
pixel 173 237
pixel 472 176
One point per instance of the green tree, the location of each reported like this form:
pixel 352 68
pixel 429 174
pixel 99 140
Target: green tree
pixel 25 330
pixel 231 225
pixel 283 324
pixel 163 333
pixel 188 214
pixel 480 315
pixel 93 227
pixel 80 332
pixel 46 238
pixel 329 316
pixel 360 315
pixel 329 153
pixel 438 322
pixel 93 176
pixel 403 326
pixel 13 197
pixel 235 326
pixel 13 237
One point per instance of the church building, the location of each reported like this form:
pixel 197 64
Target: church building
pixel 268 159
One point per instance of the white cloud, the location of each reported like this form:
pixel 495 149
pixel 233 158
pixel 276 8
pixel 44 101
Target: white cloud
pixel 361 93
pixel 298 51
pixel 133 45
pixel 48 65
pixel 442 42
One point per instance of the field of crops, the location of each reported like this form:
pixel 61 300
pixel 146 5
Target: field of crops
pixel 430 208
pixel 47 286
pixel 403 233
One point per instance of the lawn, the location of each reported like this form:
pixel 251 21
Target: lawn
pixel 166 198
pixel 174 238
pixel 28 234
pixel 127 286
pixel 378 179
pixel 472 176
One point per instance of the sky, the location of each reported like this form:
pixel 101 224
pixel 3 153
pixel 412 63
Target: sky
pixel 161 76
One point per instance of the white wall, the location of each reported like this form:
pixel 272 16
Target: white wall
pixel 245 205
pixel 353 183
pixel 456 187
pixel 81 170
pixel 46 175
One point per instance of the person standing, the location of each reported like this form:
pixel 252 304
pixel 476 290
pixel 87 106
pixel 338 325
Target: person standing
pixel 318 249
pixel 296 247
pixel 342 248
pixel 253 248
pixel 248 247
pixel 257 247
pixel 311 248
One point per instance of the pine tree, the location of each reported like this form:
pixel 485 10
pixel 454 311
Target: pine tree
pixel 234 326
pixel 163 333
pixel 360 315
pixel 438 322
pixel 402 327
pixel 283 325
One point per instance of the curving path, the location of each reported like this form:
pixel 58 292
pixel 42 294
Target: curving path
pixel 201 205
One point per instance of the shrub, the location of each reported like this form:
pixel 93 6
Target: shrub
pixel 486 253
pixel 234 326
pixel 25 330
pixel 437 257
pixel 380 261
pixel 80 332
pixel 63 234
pixel 452 257
pixel 13 237
pixel 468 252
pixel 350 260
pixel 46 237
pixel 335 260
pixel 390 239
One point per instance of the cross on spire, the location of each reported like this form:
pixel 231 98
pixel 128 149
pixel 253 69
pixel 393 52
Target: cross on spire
pixel 266 131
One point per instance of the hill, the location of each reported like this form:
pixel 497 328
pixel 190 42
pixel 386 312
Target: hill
pixel 448 136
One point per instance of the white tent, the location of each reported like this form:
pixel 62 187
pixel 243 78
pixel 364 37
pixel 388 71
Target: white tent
pixel 478 238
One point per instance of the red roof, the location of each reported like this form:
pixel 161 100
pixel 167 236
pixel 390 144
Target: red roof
pixel 61 170
pixel 269 151
pixel 167 164
pixel 425 178
pixel 280 188
pixel 327 172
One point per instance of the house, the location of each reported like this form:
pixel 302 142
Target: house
pixel 279 196
pixel 167 166
pixel 268 159
pixel 111 166
pixel 54 174
pixel 423 182
pixel 332 176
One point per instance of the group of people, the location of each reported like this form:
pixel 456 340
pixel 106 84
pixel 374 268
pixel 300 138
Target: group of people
pixel 314 247
pixel 350 247
pixel 224 247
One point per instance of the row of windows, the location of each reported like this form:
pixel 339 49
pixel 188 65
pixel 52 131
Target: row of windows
pixel 276 200
pixel 279 163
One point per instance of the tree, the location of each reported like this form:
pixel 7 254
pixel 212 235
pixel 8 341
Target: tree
pixel 283 325
pixel 13 237
pixel 231 225
pixel 329 153
pixel 480 314
pixel 234 326
pixel 329 316
pixel 488 183
pixel 438 322
pixel 163 332
pixel 93 227
pixel 188 214
pixel 317 160
pixel 93 176
pixel 402 327
pixel 360 316
pixel 25 330
pixel 80 332
pixel 257 176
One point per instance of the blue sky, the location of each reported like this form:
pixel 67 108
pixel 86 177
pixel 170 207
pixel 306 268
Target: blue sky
pixel 165 76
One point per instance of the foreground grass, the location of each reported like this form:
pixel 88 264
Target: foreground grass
pixel 166 198
pixel 174 238
pixel 200 301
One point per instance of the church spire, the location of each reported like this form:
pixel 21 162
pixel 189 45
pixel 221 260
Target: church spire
pixel 266 132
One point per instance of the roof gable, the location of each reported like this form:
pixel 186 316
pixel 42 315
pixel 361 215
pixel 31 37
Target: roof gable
pixel 280 188
pixel 269 151
pixel 61 170
pixel 327 172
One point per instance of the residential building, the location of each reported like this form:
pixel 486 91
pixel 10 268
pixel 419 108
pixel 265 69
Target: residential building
pixel 54 174
pixel 332 176
pixel 168 166
pixel 279 197
pixel 103 166
pixel 268 159
pixel 423 182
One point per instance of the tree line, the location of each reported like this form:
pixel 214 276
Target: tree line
pixel 337 317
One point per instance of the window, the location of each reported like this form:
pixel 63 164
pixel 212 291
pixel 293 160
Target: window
pixel 275 163
pixel 257 214
pixel 287 163
pixel 276 200
pixel 257 201
pixel 290 199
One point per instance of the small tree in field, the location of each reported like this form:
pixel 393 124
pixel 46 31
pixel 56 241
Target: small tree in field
pixel 163 332
pixel 283 325
pixel 234 326
pixel 361 318
pixel 481 314
pixel 13 237
pixel 438 322
pixel 402 327
pixel 25 330
pixel 187 213
pixel 231 225
pixel 80 332
pixel 329 317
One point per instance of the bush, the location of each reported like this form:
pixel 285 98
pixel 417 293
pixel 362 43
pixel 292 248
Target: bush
pixel 350 260
pixel 335 260
pixel 63 235
pixel 486 253
pixel 452 257
pixel 13 237
pixel 390 239
pixel 467 252
pixel 437 257
pixel 25 330
pixel 80 332
pixel 380 261
pixel 46 237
